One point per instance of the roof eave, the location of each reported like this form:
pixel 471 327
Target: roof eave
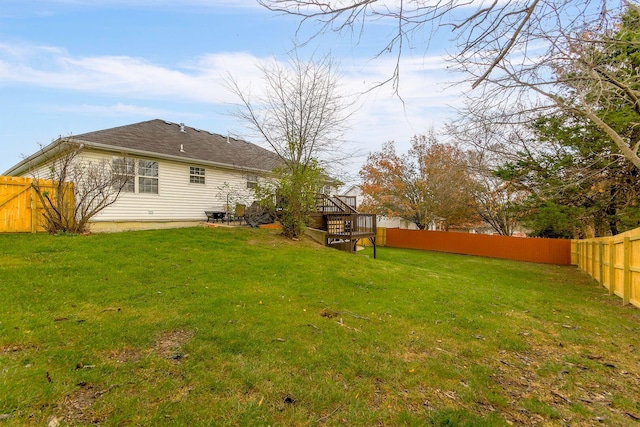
pixel 42 155
pixel 35 159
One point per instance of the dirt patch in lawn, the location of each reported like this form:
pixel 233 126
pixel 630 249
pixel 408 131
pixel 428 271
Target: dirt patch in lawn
pixel 551 383
pixel 13 348
pixel 169 344
pixel 78 407
pixel 566 386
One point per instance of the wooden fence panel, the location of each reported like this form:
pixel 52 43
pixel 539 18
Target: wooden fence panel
pixel 549 251
pixel 20 208
pixel 16 205
pixel 615 264
pixel 381 238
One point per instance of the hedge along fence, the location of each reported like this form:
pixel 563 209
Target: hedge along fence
pixel 614 262
pixel 21 210
pixel 547 251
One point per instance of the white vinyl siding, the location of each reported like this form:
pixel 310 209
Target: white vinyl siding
pixel 177 198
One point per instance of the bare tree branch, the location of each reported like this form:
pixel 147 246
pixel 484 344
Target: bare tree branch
pixel 302 116
pixel 82 188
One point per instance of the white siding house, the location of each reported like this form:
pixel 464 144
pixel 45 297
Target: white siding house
pixel 177 172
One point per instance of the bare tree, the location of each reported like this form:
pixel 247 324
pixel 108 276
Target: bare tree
pixel 588 70
pixel 302 117
pixel 81 190
pixel 502 25
pixel 555 55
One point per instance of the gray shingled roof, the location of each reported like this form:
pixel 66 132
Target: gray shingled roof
pixel 165 139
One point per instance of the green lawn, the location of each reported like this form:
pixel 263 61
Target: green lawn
pixel 241 327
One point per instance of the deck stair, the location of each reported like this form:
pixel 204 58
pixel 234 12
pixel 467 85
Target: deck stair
pixel 344 226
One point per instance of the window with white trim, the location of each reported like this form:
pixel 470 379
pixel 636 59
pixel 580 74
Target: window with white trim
pixel 252 181
pixel 196 175
pixel 124 169
pixel 140 179
pixel 147 176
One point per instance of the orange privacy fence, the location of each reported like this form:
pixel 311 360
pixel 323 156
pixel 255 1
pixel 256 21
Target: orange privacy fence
pixel 548 251
pixel 20 207
pixel 614 262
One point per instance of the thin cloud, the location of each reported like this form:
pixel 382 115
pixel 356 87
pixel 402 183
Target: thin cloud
pixel 45 66
pixel 381 115
pixel 199 81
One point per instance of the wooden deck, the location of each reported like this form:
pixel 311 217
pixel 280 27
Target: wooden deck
pixel 343 224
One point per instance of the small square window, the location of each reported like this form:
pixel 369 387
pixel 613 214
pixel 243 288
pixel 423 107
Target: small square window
pixel 196 175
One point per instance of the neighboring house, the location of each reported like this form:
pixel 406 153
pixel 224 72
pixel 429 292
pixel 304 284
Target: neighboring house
pixel 330 186
pixel 383 221
pixel 178 172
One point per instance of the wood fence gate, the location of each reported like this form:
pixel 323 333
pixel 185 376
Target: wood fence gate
pixel 20 207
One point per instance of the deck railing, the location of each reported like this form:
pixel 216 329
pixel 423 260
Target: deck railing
pixel 337 204
pixel 351 224
pixel 349 202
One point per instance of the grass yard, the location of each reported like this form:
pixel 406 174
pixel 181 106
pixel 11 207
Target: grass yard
pixel 241 327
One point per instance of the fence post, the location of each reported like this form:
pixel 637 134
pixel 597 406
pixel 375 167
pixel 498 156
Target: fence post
pixel 587 260
pixel 612 267
pixel 592 266
pixel 626 292
pixel 601 262
pixel 34 208
pixel 579 254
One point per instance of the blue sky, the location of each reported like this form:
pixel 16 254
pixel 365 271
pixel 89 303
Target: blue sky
pixel 74 66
